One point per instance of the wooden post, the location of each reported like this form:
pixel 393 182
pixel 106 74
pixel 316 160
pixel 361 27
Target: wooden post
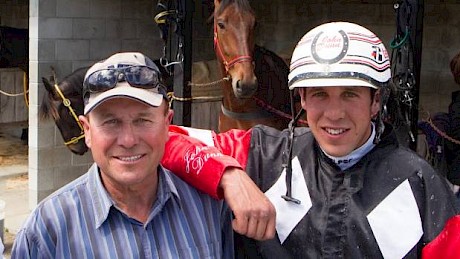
pixel 417 39
pixel 183 72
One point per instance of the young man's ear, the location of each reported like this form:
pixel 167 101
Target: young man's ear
pixel 302 93
pixel 375 106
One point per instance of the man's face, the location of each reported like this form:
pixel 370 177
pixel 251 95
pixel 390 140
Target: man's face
pixel 339 117
pixel 127 139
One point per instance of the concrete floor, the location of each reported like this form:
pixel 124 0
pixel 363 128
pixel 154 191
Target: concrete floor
pixel 14 186
pixel 14 192
pixel 15 195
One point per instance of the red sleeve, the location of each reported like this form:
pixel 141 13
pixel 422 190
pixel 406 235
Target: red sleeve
pixel 202 165
pixel 447 243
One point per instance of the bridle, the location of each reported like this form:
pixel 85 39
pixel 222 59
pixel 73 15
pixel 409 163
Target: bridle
pixel 228 64
pixel 67 104
pixel 267 109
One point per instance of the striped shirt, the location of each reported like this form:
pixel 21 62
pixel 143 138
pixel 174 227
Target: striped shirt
pixel 1 248
pixel 81 220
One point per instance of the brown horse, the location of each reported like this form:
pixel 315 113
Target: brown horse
pixel 63 103
pixel 257 92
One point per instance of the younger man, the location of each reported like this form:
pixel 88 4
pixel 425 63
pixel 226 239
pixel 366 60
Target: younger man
pixel 344 187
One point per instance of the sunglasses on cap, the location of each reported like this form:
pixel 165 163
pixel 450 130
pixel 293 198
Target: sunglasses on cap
pixel 136 76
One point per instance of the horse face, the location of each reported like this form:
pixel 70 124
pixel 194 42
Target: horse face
pixel 234 23
pixel 53 106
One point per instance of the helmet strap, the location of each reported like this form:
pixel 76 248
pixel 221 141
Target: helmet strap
pixel 287 163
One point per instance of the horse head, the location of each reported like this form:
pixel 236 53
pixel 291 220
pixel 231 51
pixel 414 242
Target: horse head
pixel 234 23
pixel 63 103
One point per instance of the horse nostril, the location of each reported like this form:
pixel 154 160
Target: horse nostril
pixel 238 86
pixel 240 89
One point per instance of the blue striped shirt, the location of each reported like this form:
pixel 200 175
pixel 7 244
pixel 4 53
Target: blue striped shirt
pixel 1 248
pixel 80 220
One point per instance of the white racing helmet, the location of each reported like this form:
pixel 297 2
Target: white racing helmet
pixel 339 54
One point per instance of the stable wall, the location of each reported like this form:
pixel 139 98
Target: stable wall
pixel 66 35
pixel 13 109
pixel 14 13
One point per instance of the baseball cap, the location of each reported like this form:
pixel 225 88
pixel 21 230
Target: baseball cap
pixel 126 74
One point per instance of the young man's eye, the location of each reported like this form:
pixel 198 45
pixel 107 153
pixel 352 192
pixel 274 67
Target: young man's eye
pixel 351 94
pixel 318 94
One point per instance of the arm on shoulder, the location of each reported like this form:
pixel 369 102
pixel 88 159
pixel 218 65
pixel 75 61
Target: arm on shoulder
pixel 210 166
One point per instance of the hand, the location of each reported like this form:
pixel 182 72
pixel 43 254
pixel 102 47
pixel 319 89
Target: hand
pixel 254 214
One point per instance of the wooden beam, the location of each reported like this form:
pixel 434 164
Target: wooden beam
pixel 183 72
pixel 417 39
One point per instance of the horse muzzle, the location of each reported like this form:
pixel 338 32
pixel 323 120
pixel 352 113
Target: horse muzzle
pixel 244 89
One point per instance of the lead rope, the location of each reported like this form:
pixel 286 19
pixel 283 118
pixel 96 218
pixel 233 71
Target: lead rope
pixel 440 132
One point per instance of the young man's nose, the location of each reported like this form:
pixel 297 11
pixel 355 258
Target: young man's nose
pixel 334 110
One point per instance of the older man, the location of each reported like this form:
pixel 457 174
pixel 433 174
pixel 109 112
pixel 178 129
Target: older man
pixel 127 205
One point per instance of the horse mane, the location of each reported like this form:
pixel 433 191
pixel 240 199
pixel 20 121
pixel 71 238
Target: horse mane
pixel 241 4
pixel 272 72
pixel 47 110
pixel 70 86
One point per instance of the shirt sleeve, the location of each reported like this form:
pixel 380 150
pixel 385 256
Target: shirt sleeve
pixel 1 248
pixel 447 243
pixel 26 247
pixel 200 157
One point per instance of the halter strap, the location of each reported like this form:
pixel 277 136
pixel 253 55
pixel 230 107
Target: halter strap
pixel 232 62
pixel 259 114
pixel 67 104
pixel 74 140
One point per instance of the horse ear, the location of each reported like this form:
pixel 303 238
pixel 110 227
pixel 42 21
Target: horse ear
pixel 49 87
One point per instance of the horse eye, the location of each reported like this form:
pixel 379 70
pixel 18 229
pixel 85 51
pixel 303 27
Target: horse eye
pixel 221 25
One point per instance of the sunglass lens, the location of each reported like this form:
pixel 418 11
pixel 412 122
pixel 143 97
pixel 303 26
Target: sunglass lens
pixel 102 80
pixel 142 77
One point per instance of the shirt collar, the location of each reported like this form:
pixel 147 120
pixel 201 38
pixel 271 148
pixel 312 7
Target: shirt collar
pixel 102 202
